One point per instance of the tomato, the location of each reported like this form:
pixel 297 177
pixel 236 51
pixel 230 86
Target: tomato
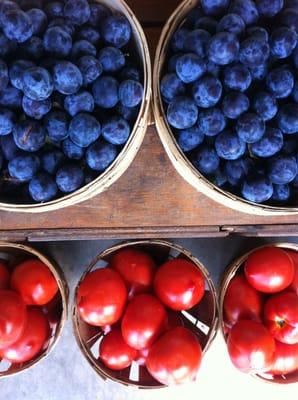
pixel 35 282
pixel 32 340
pixel 179 284
pixel 286 358
pixel 281 317
pixel 4 276
pixel 242 301
pixel 101 297
pixel 294 284
pixel 175 358
pixel 143 321
pixel 114 352
pixel 269 270
pixel 13 317
pixel 136 268
pixel 251 347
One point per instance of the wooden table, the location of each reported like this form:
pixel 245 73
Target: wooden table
pixel 150 199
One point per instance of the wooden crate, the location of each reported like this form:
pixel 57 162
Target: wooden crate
pixel 150 199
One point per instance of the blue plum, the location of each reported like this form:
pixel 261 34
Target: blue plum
pixel 69 178
pixel 206 160
pixel 189 139
pixel 130 93
pixel 223 48
pixel 270 144
pixel 207 91
pixel 229 146
pixel 100 155
pixel 116 130
pixel 250 127
pixel 79 102
pixel 42 188
pixel 24 167
pixel 106 92
pixel 182 113
pixel 84 129
pixel 212 121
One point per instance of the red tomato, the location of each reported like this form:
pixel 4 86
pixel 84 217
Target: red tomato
pixel 136 268
pixel 179 284
pixel 175 358
pixel 102 297
pixel 269 270
pixel 294 284
pixel 114 352
pixel 251 347
pixel 13 317
pixel 32 340
pixel 242 301
pixel 143 321
pixel 35 282
pixel 281 317
pixel 286 359
pixel 4 276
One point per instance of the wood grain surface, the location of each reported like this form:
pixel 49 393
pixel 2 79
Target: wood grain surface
pixel 150 199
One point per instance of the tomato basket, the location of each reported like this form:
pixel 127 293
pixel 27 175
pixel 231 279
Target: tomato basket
pixel 12 254
pixel 201 319
pixel 235 267
pixel 179 160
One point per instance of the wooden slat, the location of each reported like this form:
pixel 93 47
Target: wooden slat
pixel 153 11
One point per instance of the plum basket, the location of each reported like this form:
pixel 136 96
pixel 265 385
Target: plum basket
pixel 12 254
pixel 231 271
pixel 181 163
pixel 202 319
pixel 129 151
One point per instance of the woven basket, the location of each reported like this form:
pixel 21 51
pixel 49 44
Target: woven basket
pixel 229 274
pixel 177 157
pixel 202 320
pixel 12 254
pixel 125 158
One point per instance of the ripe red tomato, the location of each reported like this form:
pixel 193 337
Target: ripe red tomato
pixel 281 317
pixel 143 321
pixel 294 284
pixel 35 282
pixel 251 347
pixel 242 301
pixel 114 352
pixel 32 340
pixel 286 359
pixel 136 268
pixel 4 276
pixel 101 297
pixel 175 358
pixel 13 317
pixel 179 284
pixel 269 270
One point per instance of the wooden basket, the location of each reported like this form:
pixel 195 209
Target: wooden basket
pixel 228 276
pixel 12 254
pixel 179 160
pixel 202 320
pixel 128 153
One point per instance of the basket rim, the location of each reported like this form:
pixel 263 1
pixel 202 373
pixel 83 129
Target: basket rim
pixel 229 274
pixel 107 252
pixel 180 162
pixel 122 162
pixel 64 292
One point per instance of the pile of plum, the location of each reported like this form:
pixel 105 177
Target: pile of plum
pixel 70 93
pixel 230 91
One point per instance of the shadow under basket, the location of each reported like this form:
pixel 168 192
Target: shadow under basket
pixel 126 156
pixel 181 163
pixel 12 254
pixel 235 267
pixel 202 320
